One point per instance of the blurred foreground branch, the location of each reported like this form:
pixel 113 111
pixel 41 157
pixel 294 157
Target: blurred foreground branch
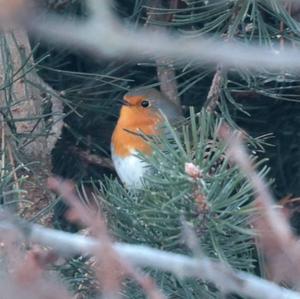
pixel 103 35
pixel 226 279
pixel 237 152
pixel 276 241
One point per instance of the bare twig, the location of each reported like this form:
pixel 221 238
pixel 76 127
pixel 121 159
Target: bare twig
pixel 165 66
pixel 90 158
pixel 57 108
pixel 238 153
pixel 275 237
pixel 166 75
pixel 214 91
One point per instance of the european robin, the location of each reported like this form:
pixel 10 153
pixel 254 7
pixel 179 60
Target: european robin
pixel 140 113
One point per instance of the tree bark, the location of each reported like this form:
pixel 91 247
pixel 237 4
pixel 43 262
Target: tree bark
pixel 28 132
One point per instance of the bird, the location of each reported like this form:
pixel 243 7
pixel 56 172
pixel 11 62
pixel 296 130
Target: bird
pixel 142 111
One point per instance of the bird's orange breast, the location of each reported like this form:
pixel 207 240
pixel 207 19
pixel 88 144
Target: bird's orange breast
pixel 132 121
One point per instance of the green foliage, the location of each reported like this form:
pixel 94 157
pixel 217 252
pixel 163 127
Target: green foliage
pixel 216 204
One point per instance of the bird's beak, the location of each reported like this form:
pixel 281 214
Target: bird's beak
pixel 124 102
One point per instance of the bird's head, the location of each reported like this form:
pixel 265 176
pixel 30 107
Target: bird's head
pixel 144 104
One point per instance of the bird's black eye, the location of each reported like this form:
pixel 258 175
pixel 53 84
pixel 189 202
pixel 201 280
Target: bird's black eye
pixel 145 104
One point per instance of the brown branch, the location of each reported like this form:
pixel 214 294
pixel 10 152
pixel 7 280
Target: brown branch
pixel 275 237
pixel 164 65
pixel 214 91
pixel 288 7
pixel 87 157
pixel 216 85
pixel 237 152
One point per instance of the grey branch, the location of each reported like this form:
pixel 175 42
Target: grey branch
pixel 103 35
pixel 226 279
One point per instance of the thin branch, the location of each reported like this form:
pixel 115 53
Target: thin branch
pixel 226 279
pixel 276 240
pixel 103 34
pixel 214 91
pixel 237 152
pixel 165 66
pixel 90 158
pixel 57 110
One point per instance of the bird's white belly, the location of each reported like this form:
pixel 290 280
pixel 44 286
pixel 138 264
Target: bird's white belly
pixel 130 169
